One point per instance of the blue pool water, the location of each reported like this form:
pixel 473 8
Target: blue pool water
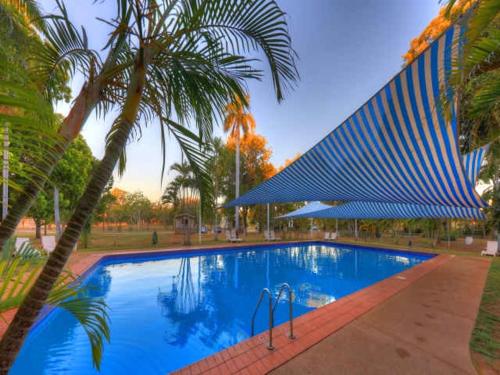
pixel 168 311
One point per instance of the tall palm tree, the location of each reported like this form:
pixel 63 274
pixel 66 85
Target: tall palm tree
pixel 186 62
pixel 238 122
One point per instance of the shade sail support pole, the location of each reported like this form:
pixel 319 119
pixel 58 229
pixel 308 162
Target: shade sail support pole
pixel 448 231
pixel 268 219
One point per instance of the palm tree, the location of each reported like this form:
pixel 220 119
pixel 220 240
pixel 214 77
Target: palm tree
pixel 238 122
pixel 183 193
pixel 64 51
pixel 186 62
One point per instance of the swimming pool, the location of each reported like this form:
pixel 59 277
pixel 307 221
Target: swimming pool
pixel 169 310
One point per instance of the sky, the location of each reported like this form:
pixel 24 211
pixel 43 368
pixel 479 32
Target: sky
pixel 347 50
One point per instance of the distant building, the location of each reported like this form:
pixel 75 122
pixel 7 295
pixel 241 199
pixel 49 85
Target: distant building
pixel 184 222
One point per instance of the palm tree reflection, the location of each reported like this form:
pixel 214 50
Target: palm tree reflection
pixel 182 304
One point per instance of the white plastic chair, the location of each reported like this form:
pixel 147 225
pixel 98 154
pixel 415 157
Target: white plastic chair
pixel 327 236
pixel 49 243
pixel 333 236
pixel 273 236
pixel 491 248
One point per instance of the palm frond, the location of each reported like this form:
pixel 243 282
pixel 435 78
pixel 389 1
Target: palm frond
pixel 65 51
pixel 90 312
pixel 18 272
pixel 197 155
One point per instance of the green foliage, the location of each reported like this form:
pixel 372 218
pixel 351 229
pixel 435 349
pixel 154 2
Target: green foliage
pixel 90 312
pixel 18 271
pixel 70 177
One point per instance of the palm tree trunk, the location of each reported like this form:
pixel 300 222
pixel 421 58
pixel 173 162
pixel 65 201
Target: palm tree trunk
pixel 70 128
pixel 33 303
pixel 237 187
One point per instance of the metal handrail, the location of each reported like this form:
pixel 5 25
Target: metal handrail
pixel 268 292
pixel 290 307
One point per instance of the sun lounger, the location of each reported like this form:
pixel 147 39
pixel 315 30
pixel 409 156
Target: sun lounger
pixel 231 237
pixel 48 243
pixel 491 248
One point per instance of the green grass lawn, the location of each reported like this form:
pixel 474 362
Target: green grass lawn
pixel 486 335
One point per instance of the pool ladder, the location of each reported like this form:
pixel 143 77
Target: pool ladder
pixel 272 308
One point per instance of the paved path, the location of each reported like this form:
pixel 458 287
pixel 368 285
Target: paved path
pixel 424 329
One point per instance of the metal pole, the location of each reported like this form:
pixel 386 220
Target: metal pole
pixel 237 208
pixel 271 323
pixel 337 227
pixel 290 307
pixel 356 228
pixel 199 223
pixel 267 206
pixel 57 215
pixel 311 230
pixel 5 173
pixel 448 231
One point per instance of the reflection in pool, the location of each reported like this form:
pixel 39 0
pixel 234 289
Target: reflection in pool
pixel 168 311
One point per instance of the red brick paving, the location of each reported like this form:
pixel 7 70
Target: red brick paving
pixel 424 329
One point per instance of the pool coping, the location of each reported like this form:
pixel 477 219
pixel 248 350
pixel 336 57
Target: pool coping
pixel 251 356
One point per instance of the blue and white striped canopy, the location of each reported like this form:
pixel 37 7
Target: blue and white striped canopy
pixel 380 210
pixel 309 208
pixel 397 147
pixel 473 162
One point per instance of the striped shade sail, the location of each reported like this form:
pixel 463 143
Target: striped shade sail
pixel 378 210
pixel 309 208
pixel 473 162
pixel 397 147
pixel 369 210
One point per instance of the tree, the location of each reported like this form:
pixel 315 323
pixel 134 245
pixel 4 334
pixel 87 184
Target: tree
pixel 218 166
pixel 191 66
pixel 138 208
pixel 256 168
pixel 69 177
pixel 64 51
pixel 183 193
pixel 238 122
pixel 475 77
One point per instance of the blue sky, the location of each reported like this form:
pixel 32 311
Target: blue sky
pixel 347 50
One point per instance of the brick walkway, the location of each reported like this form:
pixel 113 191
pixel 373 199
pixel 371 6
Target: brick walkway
pixel 425 329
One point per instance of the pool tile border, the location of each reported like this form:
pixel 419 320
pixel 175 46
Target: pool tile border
pixel 251 356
